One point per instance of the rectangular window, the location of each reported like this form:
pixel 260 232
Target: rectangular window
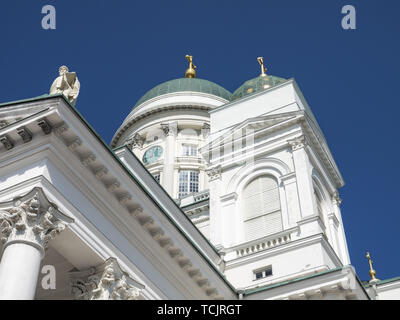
pixel 188 182
pixel 262 273
pixel 189 150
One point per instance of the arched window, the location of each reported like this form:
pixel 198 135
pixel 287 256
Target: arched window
pixel 262 208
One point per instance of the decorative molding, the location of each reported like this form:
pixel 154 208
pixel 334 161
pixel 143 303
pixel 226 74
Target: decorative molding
pixel 194 213
pixel 200 219
pixel 32 219
pixel 333 219
pixel 136 141
pixel 59 130
pixel 129 122
pixel 124 198
pixel 169 129
pixel 214 173
pixel 25 134
pixel 101 172
pixel 91 158
pixel 113 186
pixel 288 178
pixel 46 127
pixel 298 143
pixel 136 212
pixel 202 195
pixel 230 197
pixel 205 130
pixel 336 200
pixel 105 282
pixel 74 144
pixel 7 142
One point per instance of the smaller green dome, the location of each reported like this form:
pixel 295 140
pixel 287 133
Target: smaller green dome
pixel 186 84
pixel 255 85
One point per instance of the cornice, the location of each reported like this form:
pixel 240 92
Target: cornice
pixel 308 137
pixel 105 167
pixel 126 125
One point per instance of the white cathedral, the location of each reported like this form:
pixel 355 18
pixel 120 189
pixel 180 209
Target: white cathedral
pixel 202 194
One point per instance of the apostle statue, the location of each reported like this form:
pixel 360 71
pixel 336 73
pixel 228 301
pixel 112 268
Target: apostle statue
pixel 66 83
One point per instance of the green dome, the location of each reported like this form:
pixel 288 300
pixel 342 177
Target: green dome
pixel 186 84
pixel 255 85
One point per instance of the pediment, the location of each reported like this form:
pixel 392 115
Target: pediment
pixel 256 124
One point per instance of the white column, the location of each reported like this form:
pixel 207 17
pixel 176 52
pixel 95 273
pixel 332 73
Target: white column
pixel 216 229
pixel 303 169
pixel 19 271
pixel 170 132
pixel 27 224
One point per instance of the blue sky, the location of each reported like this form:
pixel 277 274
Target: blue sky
pixel 120 49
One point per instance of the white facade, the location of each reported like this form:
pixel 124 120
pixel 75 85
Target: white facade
pixel 244 202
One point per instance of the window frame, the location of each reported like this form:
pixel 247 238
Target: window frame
pixel 191 148
pixel 191 182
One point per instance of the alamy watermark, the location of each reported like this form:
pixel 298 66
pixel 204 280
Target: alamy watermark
pixel 49 20
pixel 349 20
pixel 49 279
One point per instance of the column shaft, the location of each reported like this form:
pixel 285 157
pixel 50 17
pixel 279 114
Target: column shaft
pixel 19 271
pixel 169 163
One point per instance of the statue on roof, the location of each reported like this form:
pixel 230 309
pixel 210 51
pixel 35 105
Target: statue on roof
pixel 66 83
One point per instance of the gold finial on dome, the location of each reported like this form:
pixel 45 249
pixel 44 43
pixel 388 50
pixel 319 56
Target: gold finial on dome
pixel 372 272
pixel 263 68
pixel 191 72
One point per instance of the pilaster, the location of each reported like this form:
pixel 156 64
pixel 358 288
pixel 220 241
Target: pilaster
pixel 303 170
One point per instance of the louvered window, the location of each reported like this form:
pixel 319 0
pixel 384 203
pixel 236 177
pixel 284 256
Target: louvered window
pixel 262 208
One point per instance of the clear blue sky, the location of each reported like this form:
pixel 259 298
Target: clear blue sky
pixel 120 49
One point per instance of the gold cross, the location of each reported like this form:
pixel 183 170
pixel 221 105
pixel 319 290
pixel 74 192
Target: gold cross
pixel 372 272
pixel 263 68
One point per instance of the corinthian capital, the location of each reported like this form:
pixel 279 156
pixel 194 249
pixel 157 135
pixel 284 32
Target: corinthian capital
pixel 214 173
pixel 298 143
pixel 31 219
pixel 104 282
pixel 336 200
pixel 136 141
pixel 169 129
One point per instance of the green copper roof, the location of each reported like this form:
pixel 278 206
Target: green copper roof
pixel 255 85
pixel 186 84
